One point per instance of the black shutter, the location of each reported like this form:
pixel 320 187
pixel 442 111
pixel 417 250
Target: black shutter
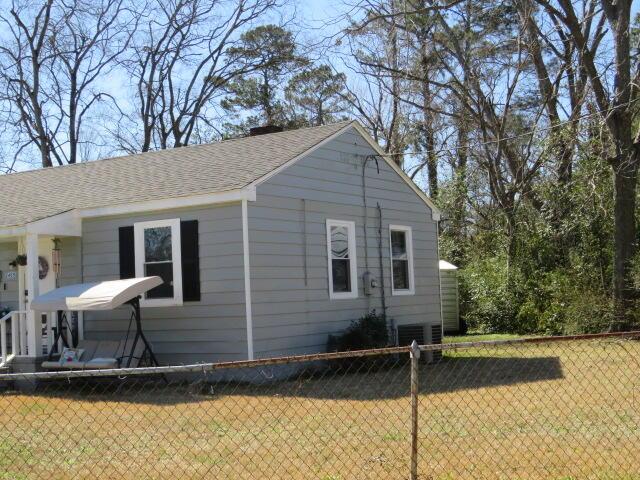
pixel 127 253
pixel 190 261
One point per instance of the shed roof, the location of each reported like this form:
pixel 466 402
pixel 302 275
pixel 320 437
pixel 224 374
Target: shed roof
pixel 444 265
pixel 198 169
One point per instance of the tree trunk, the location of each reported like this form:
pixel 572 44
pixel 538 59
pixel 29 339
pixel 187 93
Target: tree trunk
pixel 459 215
pixel 427 121
pixel 625 244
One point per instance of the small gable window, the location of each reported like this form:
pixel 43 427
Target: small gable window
pixel 341 252
pixel 157 252
pixel 401 260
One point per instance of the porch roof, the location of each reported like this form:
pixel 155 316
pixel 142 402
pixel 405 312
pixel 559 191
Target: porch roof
pixel 226 166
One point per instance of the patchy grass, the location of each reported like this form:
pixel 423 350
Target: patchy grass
pixel 480 337
pixel 557 411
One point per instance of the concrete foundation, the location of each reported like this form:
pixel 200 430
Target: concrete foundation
pixel 26 365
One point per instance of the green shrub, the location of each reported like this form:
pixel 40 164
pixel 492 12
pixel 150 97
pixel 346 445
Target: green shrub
pixel 557 304
pixel 489 300
pixel 551 302
pixel 370 331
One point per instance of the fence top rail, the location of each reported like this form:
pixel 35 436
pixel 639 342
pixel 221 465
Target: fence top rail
pixel 539 339
pixel 209 367
pixel 205 367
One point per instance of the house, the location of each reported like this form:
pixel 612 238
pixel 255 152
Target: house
pixel 267 243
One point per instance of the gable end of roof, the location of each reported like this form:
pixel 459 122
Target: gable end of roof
pixel 354 124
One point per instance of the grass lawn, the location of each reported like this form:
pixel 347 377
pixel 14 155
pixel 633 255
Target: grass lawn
pixel 558 411
pixel 480 337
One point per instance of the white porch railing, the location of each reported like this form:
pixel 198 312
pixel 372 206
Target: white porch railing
pixel 13 335
pixel 18 336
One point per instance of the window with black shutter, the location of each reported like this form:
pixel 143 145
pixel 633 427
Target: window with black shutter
pixel 165 248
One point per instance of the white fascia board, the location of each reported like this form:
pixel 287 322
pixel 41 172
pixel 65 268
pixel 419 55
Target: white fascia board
pixel 10 233
pixel 66 224
pixel 247 193
pixel 69 223
pixel 435 212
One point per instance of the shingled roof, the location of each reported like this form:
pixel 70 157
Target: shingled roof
pixel 198 169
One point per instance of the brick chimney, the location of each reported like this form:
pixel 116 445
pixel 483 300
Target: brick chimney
pixel 255 131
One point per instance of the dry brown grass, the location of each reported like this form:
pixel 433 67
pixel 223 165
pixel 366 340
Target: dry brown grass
pixel 556 411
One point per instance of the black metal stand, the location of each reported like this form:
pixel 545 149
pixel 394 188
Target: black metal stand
pixel 135 304
pixel 61 318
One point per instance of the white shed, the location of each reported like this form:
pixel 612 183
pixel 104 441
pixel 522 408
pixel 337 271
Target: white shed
pixel 449 296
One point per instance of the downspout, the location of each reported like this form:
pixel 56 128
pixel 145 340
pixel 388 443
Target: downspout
pixel 364 202
pixel 382 292
pixel 366 236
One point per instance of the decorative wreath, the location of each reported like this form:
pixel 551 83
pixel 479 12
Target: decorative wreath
pixel 43 268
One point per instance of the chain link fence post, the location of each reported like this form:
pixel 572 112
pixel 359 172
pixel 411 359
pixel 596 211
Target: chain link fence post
pixel 415 361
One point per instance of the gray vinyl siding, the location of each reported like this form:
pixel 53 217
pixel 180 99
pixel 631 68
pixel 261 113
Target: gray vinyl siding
pixel 8 289
pixel 449 289
pixel 213 329
pixel 292 312
pixel 71 271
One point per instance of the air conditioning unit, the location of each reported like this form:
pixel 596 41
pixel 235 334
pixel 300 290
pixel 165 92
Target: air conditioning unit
pixel 409 333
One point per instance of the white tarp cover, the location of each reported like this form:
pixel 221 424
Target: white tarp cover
pixel 94 296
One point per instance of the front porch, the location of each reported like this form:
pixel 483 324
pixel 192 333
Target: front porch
pixel 26 335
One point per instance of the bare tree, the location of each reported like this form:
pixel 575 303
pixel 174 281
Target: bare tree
pixel 181 62
pixel 88 40
pixel 51 68
pixel 22 62
pixel 616 104
pixel 545 52
pixel 374 57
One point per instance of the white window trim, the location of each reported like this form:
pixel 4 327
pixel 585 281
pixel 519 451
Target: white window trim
pixel 409 237
pixel 353 265
pixel 138 235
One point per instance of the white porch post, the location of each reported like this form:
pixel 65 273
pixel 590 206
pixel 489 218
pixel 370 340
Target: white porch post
pixel 34 320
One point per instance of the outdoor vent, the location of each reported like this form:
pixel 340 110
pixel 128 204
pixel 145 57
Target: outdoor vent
pixel 436 338
pixel 255 131
pixel 409 333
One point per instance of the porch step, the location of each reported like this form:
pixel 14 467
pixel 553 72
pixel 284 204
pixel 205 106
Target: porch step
pixel 3 383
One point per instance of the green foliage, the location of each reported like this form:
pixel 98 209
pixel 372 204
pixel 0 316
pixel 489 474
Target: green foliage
pixel 489 302
pixel 315 96
pixel 269 53
pixel 370 331
pixel 558 280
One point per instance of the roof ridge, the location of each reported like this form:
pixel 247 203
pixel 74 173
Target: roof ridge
pixel 192 146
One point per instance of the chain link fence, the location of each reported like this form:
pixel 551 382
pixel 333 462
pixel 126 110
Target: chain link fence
pixel 549 408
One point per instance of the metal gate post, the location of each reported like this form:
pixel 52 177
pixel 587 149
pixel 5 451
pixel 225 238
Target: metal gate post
pixel 415 360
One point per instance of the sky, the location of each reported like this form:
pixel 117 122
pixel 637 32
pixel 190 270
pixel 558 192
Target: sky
pixel 320 20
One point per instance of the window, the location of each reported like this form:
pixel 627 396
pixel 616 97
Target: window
pixel 401 260
pixel 157 252
pixel 341 251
